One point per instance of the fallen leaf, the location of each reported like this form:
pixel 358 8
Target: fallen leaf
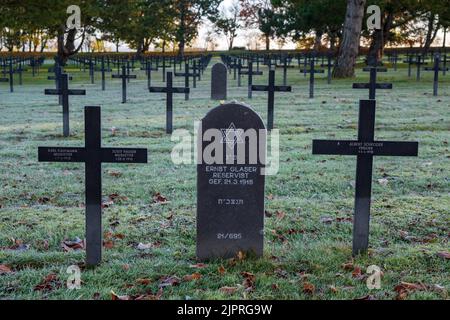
pixel 144 282
pixel 309 288
pixel 368 297
pixel 228 290
pixel 72 245
pixel 199 266
pixel 108 244
pixel 116 297
pixel 445 255
pixel 115 174
pixel 4 269
pixel 158 198
pixel 270 197
pixel 221 270
pixel 50 283
pixel 169 282
pixel 327 220
pixel 357 272
pixel 383 182
pixel 404 288
pixel 192 277
pixel 348 266
pixel 249 281
pixel 333 289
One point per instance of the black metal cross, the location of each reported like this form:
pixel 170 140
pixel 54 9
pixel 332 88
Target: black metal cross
pixel 64 92
pixel 373 85
pixel 271 89
pixel 250 73
pixel 58 70
pixel 148 71
pixel 329 67
pixel 365 148
pixel 93 155
pixel 418 61
pixel 285 67
pixel 124 76
pixel 436 68
pixel 103 70
pixel 186 76
pixel 312 71
pixel 169 90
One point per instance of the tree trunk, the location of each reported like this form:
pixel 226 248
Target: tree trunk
pixel 267 42
pixel 445 37
pixel 379 40
pixel 349 47
pixel 182 30
pixel 431 33
pixel 67 49
pixel 318 41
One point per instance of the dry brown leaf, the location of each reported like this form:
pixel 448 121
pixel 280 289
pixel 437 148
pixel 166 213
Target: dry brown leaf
pixel 228 290
pixel 109 244
pixel 348 266
pixel 49 283
pixel 199 266
pixel 222 270
pixel 5 269
pixel 172 281
pixel 73 245
pixel 116 297
pixel 144 282
pixel 357 272
pixel 158 198
pixel 309 288
pixel 192 277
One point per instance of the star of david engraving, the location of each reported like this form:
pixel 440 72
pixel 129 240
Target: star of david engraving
pixel 232 136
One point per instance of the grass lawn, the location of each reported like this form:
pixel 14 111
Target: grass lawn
pixel 309 204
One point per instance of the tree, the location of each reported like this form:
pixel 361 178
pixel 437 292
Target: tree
pixel 228 24
pixel 260 14
pixel 188 15
pixel 349 46
pixel 301 18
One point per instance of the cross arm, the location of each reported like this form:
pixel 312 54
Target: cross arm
pixel 76 92
pixel 181 90
pixel 381 86
pixel 58 154
pixel 124 155
pixel 157 89
pixel 376 148
pixel 283 88
pixel 260 88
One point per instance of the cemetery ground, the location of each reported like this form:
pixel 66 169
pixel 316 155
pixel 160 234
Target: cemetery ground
pixel 149 210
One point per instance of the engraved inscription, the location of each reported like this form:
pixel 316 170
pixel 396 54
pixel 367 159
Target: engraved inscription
pixel 62 154
pixel 124 155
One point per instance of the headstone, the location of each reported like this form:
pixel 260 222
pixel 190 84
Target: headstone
pixel 230 183
pixel 219 82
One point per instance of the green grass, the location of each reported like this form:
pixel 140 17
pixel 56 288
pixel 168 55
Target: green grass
pixel 410 216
